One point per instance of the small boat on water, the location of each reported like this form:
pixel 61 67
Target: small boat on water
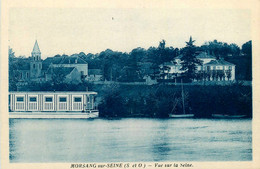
pixel 226 116
pixel 181 115
pixel 52 105
pixel 184 115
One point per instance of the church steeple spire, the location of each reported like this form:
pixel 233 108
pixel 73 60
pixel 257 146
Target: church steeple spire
pixel 36 63
pixel 36 53
pixel 36 48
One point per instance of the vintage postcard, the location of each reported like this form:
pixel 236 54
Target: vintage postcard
pixel 129 84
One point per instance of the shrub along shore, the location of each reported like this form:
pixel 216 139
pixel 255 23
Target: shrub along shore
pixel 159 101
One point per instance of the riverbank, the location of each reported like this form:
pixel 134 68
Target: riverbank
pixel 159 101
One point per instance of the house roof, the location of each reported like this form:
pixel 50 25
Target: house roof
pixel 219 62
pixel 201 55
pixel 36 48
pixel 95 72
pixel 204 55
pixel 61 60
pixel 61 70
pixel 50 60
pixel 72 60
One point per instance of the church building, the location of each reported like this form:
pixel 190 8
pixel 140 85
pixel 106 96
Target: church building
pixel 73 69
pixel 36 62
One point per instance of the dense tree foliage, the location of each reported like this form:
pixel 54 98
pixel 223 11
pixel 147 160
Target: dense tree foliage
pixel 15 64
pixel 135 65
pixel 221 49
pixel 247 48
pixel 118 66
pixel 162 100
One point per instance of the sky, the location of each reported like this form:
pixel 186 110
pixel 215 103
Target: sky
pixel 92 30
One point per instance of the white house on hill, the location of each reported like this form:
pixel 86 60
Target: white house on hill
pixel 210 66
pixel 222 65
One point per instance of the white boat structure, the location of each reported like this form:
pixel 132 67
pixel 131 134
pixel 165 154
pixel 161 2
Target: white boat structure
pixel 52 105
pixel 181 115
pixel 184 115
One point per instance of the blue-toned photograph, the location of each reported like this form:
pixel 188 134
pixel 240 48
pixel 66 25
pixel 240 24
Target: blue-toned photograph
pixel 129 85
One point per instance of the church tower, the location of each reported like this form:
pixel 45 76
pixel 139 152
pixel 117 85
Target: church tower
pixel 36 63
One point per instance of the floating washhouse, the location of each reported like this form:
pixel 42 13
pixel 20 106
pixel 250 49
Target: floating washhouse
pixel 52 102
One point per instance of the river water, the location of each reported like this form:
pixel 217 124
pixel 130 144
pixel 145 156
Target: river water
pixel 129 140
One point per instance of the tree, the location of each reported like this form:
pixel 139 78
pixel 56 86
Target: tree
pixel 57 75
pixel 247 48
pixel 138 53
pixel 221 49
pixel 161 44
pixel 234 49
pixel 165 54
pixel 132 64
pixel 11 53
pixel 216 48
pixel 13 73
pixel 189 61
pixel 156 71
pixel 15 64
pixel 161 54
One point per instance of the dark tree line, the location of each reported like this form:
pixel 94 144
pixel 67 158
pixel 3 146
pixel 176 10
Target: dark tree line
pixel 119 66
pixel 160 101
pixel 221 49
pixel 129 67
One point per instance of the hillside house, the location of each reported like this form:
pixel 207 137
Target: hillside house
pixel 211 68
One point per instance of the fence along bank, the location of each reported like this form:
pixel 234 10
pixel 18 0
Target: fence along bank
pixel 52 102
